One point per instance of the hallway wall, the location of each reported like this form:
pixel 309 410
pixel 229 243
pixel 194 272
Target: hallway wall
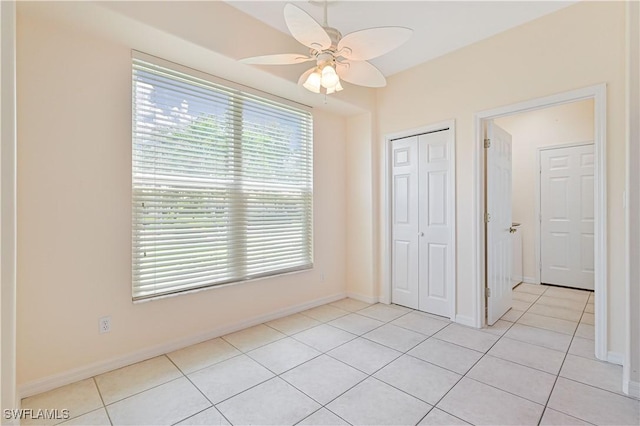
pixel 564 124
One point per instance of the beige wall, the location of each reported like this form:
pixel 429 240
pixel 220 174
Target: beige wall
pixel 360 254
pixel 563 124
pixel 74 247
pixel 579 46
pixel 7 209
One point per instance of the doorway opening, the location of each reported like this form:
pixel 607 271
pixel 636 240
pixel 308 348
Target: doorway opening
pixel 596 95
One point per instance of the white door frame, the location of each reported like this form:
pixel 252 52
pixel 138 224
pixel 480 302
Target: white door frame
pixel 538 201
pixel 385 291
pixel 599 95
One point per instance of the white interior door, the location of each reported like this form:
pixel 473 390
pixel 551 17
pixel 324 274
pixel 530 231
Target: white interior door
pixel 566 216
pixel 405 223
pixel 423 222
pixel 498 207
pixel 436 256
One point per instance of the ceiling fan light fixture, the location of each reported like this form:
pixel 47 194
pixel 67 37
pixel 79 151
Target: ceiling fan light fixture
pixel 329 77
pixel 338 87
pixel 329 49
pixel 313 82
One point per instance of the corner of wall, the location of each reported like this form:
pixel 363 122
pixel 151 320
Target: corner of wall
pixel 8 394
pixel 361 281
pixel 631 364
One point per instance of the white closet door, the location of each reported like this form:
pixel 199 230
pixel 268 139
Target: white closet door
pixel 498 237
pixel 405 224
pixel 423 222
pixel 566 207
pixel 436 259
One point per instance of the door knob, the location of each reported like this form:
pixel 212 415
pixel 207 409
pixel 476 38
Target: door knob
pixel 420 234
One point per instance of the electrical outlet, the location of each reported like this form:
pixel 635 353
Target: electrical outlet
pixel 322 276
pixel 104 324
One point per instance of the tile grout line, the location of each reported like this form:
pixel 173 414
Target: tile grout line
pixel 197 370
pixel 322 407
pixel 320 354
pixel 487 353
pixel 540 328
pixel 407 354
pixel 367 375
pixel 138 392
pixel 371 376
pixel 623 395
pixel 555 382
pixel 95 382
pixel 199 390
pixel 465 375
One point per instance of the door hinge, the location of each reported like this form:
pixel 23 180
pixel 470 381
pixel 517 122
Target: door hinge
pixel 487 218
pixel 487 143
pixel 488 292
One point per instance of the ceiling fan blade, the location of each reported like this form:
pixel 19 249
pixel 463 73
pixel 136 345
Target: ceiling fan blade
pixel 361 73
pixel 305 29
pixel 373 42
pixel 280 59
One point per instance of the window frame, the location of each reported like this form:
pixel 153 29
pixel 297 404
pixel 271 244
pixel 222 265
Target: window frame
pixel 245 93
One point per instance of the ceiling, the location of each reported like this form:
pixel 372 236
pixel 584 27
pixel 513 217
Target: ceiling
pixel 439 26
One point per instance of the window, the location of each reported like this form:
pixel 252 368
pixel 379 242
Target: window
pixel 221 182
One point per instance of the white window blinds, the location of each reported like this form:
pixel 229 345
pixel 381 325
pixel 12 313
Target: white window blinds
pixel 222 183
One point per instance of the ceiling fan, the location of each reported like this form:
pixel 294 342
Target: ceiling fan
pixel 336 57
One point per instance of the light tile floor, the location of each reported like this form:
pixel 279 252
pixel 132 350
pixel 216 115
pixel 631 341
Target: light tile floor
pixel 353 363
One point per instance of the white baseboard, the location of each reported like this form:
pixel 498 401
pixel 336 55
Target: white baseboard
pixel 529 280
pixel 631 388
pixel 465 320
pixel 363 298
pixel 67 377
pixel 615 358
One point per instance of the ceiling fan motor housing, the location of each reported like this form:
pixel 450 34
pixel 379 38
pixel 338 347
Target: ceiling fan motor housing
pixel 335 36
pixel 328 56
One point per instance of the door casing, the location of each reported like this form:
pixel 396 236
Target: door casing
pixel 598 93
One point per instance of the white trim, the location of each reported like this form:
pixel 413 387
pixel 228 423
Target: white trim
pixel 54 381
pixel 385 291
pixel 615 358
pixel 465 320
pixel 631 388
pixel 530 280
pixel 598 94
pixel 365 299
pixel 631 201
pixel 538 200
